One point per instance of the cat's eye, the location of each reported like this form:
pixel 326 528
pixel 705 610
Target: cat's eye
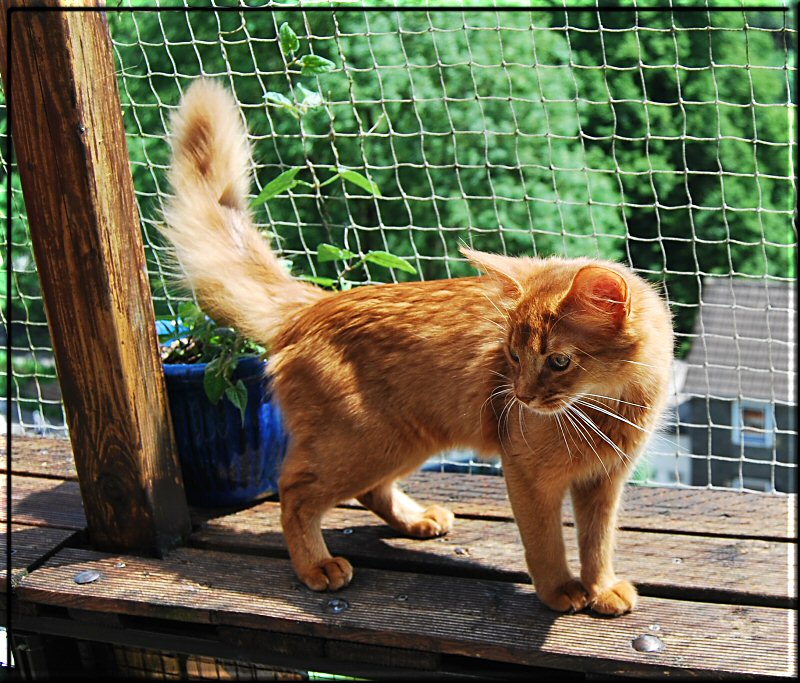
pixel 513 355
pixel 559 361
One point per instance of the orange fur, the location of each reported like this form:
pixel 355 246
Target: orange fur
pixel 375 380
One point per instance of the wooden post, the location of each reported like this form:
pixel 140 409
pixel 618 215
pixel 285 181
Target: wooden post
pixel 73 162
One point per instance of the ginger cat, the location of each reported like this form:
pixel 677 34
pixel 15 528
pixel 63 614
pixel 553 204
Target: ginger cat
pixel 560 365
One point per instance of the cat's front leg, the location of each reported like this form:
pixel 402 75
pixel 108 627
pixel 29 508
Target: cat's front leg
pixel 537 510
pixel 595 504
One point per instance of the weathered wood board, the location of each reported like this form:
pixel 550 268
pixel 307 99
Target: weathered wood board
pixel 655 508
pixel 748 570
pixel 694 511
pixel 44 502
pixel 40 456
pixel 31 545
pixel 500 621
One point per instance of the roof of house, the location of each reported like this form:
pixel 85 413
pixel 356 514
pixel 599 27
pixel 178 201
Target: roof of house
pixel 746 341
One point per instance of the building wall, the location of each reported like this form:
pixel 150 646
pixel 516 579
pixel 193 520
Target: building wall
pixel 721 462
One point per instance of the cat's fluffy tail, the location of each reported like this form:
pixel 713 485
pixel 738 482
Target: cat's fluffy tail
pixel 225 260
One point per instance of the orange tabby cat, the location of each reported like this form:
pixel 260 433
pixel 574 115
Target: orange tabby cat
pixel 560 365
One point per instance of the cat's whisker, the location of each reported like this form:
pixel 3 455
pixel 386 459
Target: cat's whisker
pixel 582 430
pixel 586 353
pixel 498 391
pixel 611 413
pixel 504 314
pixel 561 317
pixel 621 360
pixel 619 400
pixel 591 424
pixel 506 412
pixel 565 405
pixel 495 323
pixel 636 362
pixel 494 393
pixel 521 425
pixel 586 433
pixel 563 435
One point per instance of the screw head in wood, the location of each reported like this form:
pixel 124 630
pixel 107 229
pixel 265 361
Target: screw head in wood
pixel 337 606
pixel 89 576
pixel 648 643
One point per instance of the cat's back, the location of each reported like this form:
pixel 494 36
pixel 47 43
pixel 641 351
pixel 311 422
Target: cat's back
pixel 393 311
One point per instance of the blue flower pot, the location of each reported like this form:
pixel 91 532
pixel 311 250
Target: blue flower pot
pixel 223 462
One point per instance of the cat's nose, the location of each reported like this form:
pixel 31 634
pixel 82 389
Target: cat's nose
pixel 524 399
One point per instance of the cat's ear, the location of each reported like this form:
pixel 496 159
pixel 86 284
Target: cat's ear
pixel 600 291
pixel 502 268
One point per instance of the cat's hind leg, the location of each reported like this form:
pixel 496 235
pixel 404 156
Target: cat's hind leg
pixel 406 515
pixel 304 500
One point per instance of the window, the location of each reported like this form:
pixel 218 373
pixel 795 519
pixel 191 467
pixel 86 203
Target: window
pixel 753 424
pixel 751 484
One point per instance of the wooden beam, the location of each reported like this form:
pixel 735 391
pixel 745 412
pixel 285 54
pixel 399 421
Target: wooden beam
pixel 73 162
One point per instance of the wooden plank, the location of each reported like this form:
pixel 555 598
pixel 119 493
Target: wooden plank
pixel 655 508
pixel 73 162
pixel 490 620
pixel 30 546
pixel 698 511
pixel 40 456
pixel 44 502
pixel 744 571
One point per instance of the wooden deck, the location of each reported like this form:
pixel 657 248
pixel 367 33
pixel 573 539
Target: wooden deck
pixel 716 571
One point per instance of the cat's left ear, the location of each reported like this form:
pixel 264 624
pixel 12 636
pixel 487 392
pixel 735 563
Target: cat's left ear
pixel 502 268
pixel 600 290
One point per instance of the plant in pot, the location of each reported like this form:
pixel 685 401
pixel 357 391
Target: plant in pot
pixel 229 432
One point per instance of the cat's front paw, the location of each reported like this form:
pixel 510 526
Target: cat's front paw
pixel 614 601
pixel 329 575
pixel 568 597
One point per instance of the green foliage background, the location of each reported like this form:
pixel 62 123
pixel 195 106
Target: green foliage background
pixel 660 139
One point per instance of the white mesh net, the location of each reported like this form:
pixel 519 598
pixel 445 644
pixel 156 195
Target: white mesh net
pixel 662 139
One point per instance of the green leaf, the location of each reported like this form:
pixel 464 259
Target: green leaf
pixel 311 98
pixel 387 260
pixel 328 252
pixel 289 41
pixel 285 181
pixel 280 100
pixel 314 64
pixel 225 333
pixel 237 394
pixel 214 381
pixel 189 310
pixel 321 281
pixel 357 179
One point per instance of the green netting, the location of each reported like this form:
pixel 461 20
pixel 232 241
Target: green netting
pixel 661 139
